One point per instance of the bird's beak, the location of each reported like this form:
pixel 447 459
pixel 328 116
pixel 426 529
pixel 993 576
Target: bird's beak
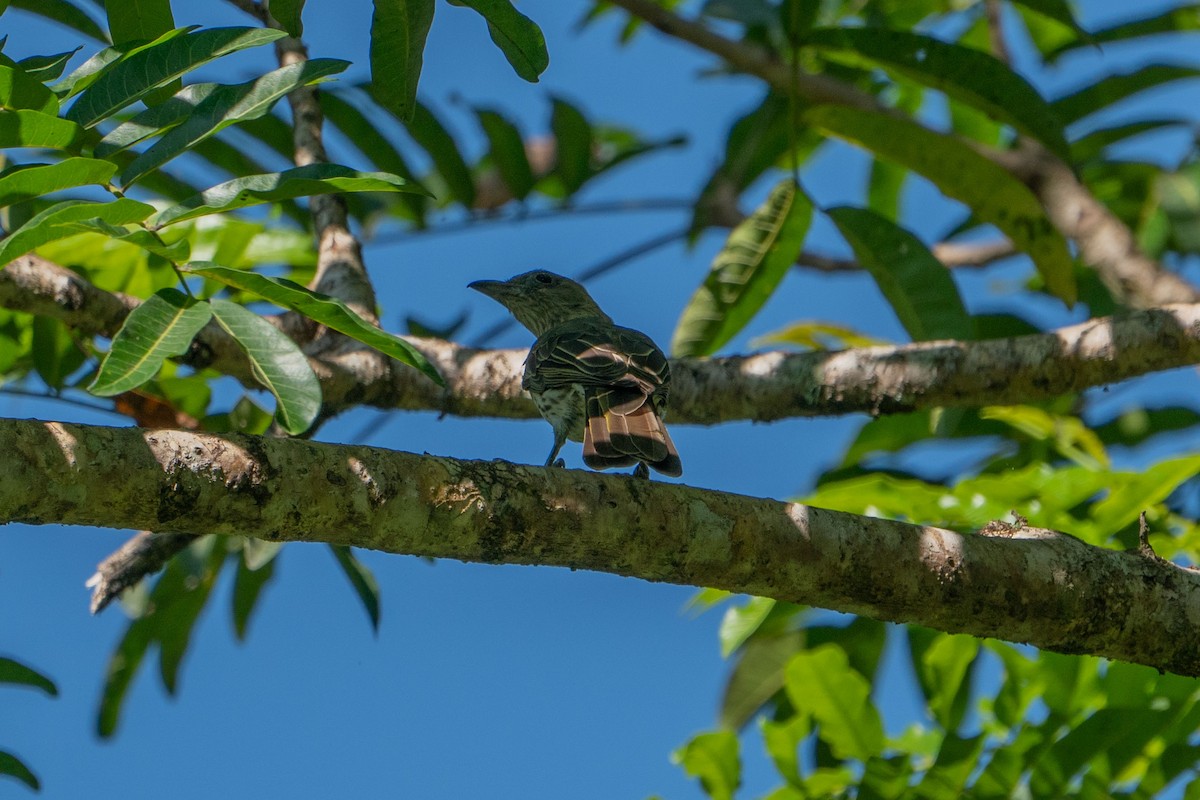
pixel 493 289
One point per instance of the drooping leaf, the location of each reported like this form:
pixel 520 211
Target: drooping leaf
pixel 253 574
pixel 15 672
pixel 942 663
pixel 14 767
pixel 754 260
pixel 741 622
pixel 27 181
pixel 228 105
pixel 171 56
pixel 517 36
pixel 174 624
pixel 1099 95
pixel 434 139
pixel 713 758
pixel 154 121
pixel 56 354
pixel 162 326
pixel 992 192
pixel 1175 20
pixel 288 14
pixel 138 20
pixel 917 286
pixel 20 90
pixel 306 181
pixel 821 683
pixel 398 32
pixel 277 362
pixel 64 13
pixel 328 311
pixel 506 148
pixel 757 676
pixel 47 68
pixel 55 223
pixel 573 145
pixel 964 73
pixel 34 129
pixel 361 579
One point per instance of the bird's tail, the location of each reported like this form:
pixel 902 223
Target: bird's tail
pixel 623 428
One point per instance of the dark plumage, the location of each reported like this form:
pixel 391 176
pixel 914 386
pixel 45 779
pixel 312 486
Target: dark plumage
pixel 593 381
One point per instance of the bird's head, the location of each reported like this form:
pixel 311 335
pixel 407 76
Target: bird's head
pixel 540 300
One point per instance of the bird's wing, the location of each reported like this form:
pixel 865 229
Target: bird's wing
pixel 596 354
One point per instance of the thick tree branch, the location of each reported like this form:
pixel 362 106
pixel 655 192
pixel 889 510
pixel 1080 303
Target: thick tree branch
pixel 763 387
pixel 1024 585
pixel 1105 243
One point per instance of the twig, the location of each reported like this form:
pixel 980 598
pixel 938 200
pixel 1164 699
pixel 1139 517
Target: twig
pixel 145 554
pixel 994 14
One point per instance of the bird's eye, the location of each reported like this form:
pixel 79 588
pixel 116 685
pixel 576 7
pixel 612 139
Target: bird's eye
pixel 542 277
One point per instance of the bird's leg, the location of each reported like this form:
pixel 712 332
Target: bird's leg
pixel 642 471
pixel 559 441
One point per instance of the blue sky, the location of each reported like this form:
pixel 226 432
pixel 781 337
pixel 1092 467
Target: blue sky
pixel 483 681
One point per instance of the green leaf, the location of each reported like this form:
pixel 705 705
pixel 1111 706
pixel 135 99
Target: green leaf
pixel 516 35
pixel 161 327
pixel 435 140
pixel 15 672
pixel 573 145
pixel 228 105
pixel 122 667
pixel 55 223
pixel 138 20
pixel 398 32
pixel 1093 144
pixel 64 13
pixel 821 683
pixel 15 768
pixel 306 181
pixel 34 129
pixel 28 181
pixel 155 120
pixel 20 90
pixel 1143 490
pixel 56 354
pixel 364 583
pixel 88 72
pixel 942 663
pixel 969 75
pixel 47 68
pixel 135 235
pixel 885 187
pixel 171 56
pixel 1176 20
pixel 277 362
pixel 757 676
pixel 328 311
pixel 506 148
pixel 175 622
pixel 287 13
pixel 1109 91
pixel 917 285
pixel 248 586
pixel 713 758
pixel 1057 10
pixel 992 192
pixel 782 740
pixel 740 623
pixel 757 255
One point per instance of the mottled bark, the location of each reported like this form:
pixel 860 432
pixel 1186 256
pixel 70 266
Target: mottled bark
pixel 1024 585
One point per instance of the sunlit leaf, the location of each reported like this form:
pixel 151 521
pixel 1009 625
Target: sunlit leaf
pixel 173 55
pixel 36 180
pixel 55 223
pixel 328 311
pixel 312 179
pixel 19 90
pixel 33 129
pixel 821 683
pixel 162 326
pixel 136 235
pixel 713 758
pixel 757 255
pixel 228 105
pixel 138 20
pixel 277 362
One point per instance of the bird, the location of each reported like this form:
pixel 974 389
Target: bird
pixel 592 380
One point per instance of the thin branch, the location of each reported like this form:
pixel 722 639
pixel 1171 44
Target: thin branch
pixel 1105 243
pixel 1009 581
pixel 993 12
pixel 143 554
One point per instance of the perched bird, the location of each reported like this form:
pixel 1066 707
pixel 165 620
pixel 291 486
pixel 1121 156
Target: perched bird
pixel 593 381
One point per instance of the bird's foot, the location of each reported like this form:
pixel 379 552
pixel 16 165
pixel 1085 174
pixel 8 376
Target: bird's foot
pixel 642 471
pixel 560 463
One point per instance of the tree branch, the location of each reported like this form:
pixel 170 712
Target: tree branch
pixel 1024 585
pixel 1105 243
pixel 767 386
